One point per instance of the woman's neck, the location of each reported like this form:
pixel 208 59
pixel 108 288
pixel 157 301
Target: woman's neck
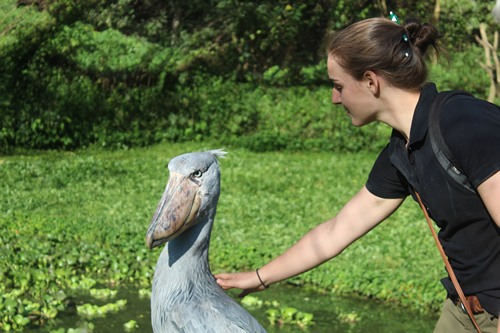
pixel 398 109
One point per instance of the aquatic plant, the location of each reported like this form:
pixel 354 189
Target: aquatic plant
pixel 131 325
pixel 103 293
pixel 288 315
pixel 83 327
pixel 277 314
pixel 145 292
pixel 350 317
pixel 91 310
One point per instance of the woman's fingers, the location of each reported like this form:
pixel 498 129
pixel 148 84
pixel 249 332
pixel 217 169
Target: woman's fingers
pixel 246 281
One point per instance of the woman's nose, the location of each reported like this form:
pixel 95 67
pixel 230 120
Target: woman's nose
pixel 336 96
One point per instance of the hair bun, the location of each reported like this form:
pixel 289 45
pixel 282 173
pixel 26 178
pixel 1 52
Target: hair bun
pixel 421 35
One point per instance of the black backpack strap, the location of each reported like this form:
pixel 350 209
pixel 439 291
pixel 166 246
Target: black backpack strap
pixel 441 150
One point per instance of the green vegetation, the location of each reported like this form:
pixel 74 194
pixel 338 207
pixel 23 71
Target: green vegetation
pixel 83 327
pixel 103 293
pixel 71 221
pixel 289 315
pixel 278 314
pixel 90 311
pixel 124 73
pixel 130 326
pixel 142 78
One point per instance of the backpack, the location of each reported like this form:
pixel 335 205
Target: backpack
pixel 441 150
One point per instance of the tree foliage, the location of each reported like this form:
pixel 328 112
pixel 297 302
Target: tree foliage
pixel 126 72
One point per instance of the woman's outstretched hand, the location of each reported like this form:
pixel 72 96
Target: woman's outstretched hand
pixel 247 281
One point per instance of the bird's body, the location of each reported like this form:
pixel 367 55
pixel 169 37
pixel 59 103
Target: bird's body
pixel 185 296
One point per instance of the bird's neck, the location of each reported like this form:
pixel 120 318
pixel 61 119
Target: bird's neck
pixel 185 257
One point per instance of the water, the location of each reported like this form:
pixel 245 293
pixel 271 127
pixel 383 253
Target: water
pixel 374 316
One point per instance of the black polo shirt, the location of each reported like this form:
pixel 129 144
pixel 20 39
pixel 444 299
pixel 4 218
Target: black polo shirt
pixel 469 236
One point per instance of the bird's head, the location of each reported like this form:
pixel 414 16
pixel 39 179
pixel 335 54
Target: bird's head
pixel 193 188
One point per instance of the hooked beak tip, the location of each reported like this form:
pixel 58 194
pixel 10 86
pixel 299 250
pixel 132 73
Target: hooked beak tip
pixel 149 241
pixel 152 241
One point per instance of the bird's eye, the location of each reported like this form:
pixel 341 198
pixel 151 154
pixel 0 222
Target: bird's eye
pixel 197 174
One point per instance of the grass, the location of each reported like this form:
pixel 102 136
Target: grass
pixel 71 220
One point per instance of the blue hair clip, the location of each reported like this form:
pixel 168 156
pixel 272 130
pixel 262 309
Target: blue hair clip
pixel 394 18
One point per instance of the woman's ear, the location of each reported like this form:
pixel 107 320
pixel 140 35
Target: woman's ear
pixel 372 81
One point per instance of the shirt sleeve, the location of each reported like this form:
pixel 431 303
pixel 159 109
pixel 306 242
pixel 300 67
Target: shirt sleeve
pixel 471 129
pixel 385 181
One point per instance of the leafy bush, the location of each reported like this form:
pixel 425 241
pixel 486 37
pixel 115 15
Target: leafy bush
pixel 462 72
pixel 125 73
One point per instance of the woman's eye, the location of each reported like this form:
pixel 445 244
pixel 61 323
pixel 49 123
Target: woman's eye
pixel 197 174
pixel 338 88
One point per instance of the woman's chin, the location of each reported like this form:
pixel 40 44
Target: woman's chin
pixel 358 122
pixel 354 121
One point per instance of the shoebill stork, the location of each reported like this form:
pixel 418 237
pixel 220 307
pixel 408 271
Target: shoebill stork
pixel 185 297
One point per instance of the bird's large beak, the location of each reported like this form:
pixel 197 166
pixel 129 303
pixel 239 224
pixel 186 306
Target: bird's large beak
pixel 177 209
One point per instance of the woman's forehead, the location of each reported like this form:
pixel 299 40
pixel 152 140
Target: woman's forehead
pixel 335 71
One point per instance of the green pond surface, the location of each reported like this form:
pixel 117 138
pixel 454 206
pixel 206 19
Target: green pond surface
pixel 328 310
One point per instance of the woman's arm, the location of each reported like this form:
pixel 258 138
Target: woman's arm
pixel 363 212
pixel 489 190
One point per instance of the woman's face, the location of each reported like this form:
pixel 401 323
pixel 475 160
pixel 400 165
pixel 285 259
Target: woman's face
pixel 354 95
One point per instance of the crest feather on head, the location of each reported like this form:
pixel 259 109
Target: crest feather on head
pixel 218 153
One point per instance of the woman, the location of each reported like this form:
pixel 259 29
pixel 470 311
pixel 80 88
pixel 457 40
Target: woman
pixel 379 74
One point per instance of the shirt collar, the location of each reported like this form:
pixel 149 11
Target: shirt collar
pixel 421 116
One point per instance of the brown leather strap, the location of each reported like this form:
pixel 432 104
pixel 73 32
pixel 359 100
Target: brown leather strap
pixel 474 304
pixel 448 266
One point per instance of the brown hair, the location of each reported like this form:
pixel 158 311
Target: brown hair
pixel 378 45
